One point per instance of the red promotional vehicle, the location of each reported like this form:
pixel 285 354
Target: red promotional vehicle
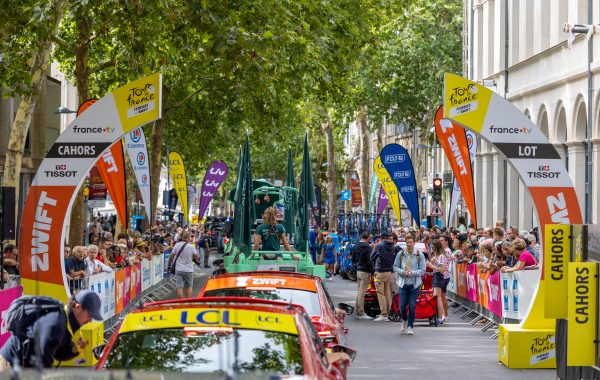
pixel 227 336
pixel 301 289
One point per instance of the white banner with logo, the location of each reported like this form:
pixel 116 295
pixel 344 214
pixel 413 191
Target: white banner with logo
pixel 137 149
pixel 146 274
pixel 157 269
pixel 517 292
pixel 103 284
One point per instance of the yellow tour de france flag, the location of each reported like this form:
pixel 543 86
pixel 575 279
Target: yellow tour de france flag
pixel 177 169
pixel 557 249
pixel 466 102
pixel 388 186
pixel 581 349
pixel 139 102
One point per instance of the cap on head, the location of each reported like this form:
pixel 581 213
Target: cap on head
pixel 90 302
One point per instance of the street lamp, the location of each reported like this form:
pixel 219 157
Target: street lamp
pixel 423 206
pixel 588 30
pixel 63 110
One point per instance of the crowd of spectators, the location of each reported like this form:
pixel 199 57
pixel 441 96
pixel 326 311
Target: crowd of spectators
pixel 104 251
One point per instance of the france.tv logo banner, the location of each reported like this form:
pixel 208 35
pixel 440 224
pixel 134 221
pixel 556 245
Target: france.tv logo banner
pixel 399 166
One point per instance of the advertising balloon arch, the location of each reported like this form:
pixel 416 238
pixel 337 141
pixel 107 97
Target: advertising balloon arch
pixel 542 171
pixel 62 172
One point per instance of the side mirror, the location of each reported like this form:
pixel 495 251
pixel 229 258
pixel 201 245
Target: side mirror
pixel 219 272
pixel 218 262
pixel 345 349
pixel 97 351
pixel 349 309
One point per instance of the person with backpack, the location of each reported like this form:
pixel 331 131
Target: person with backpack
pixel 383 258
pixel 43 328
pixel 270 234
pixel 361 253
pixel 409 266
pixel 181 264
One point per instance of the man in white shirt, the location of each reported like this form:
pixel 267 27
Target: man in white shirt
pixel 93 265
pixel 182 256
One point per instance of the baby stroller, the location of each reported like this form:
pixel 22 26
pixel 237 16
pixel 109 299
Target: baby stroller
pixel 426 307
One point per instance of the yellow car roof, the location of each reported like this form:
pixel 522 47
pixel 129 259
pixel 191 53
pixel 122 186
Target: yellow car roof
pixel 209 318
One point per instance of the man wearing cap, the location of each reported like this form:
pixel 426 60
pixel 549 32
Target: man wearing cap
pixel 53 334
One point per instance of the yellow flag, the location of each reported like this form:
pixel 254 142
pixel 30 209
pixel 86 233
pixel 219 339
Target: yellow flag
pixel 177 169
pixel 139 102
pixel 388 186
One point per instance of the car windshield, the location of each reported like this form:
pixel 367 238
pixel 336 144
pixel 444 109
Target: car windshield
pixel 251 351
pixel 308 300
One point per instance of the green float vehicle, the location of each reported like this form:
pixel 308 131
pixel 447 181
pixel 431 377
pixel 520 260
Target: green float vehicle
pixel 298 260
pixel 251 198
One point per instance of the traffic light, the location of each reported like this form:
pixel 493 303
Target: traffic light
pixel 437 189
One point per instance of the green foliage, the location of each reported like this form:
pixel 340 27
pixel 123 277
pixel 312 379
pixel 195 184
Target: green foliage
pixel 24 24
pixel 274 68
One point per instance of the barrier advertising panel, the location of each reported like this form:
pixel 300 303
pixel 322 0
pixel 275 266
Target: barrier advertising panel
pixel 494 294
pixel 146 274
pixel 6 298
pixel 133 281
pixel 517 291
pixel 126 286
pixel 471 286
pixel 461 280
pixel 157 269
pixel 103 284
pixel 119 291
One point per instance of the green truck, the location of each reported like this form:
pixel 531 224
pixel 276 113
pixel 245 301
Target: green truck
pixel 299 260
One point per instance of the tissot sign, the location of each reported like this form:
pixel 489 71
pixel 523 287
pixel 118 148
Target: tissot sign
pixel 55 185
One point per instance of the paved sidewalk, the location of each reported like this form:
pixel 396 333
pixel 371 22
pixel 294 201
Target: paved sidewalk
pixel 455 350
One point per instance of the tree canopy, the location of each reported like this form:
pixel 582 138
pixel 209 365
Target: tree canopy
pixel 274 68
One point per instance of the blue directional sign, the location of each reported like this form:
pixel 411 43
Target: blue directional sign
pixel 345 195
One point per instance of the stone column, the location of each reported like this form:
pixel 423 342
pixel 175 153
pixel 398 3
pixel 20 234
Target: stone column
pixel 487 189
pixel 478 187
pixel 497 187
pixel 577 171
pixel 595 181
pixel 512 197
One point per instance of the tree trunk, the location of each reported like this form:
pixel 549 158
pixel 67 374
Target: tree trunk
pixel 363 163
pixel 158 136
pixel 380 132
pixel 22 122
pixel 331 176
pixel 84 27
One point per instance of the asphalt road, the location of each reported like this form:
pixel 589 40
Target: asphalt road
pixel 455 350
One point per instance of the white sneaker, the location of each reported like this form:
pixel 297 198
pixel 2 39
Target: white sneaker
pixel 381 318
pixel 403 327
pixel 364 316
pixel 446 319
pixel 409 331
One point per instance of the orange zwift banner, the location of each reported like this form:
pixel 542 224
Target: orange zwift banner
pixel 453 139
pixel 112 170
